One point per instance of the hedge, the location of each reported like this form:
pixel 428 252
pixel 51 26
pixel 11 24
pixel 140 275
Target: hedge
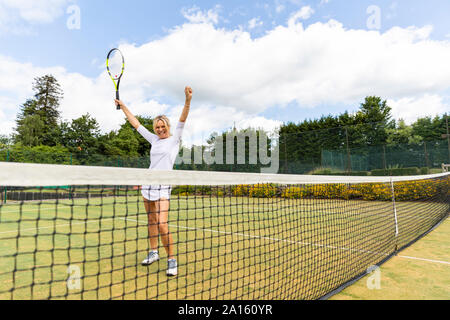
pixel 404 191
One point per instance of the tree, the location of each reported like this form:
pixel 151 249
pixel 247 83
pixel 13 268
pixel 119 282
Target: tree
pixel 430 128
pixel 143 148
pixel 123 143
pixel 39 154
pixel 376 114
pixel 5 141
pixel 81 135
pixel 127 141
pixel 48 96
pixel 31 131
pixel 243 150
pixel 302 145
pixel 402 134
pixel 45 106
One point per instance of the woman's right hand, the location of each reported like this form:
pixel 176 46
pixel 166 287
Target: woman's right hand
pixel 119 103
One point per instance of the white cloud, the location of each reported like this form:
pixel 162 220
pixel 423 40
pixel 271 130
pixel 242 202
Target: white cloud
pixel 7 123
pixel 42 11
pixel 195 15
pixel 303 14
pixel 205 120
pixel 16 89
pixel 236 77
pixel 411 108
pixel 255 22
pixel 267 125
pixel 17 16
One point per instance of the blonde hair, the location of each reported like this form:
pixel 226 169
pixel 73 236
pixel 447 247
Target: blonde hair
pixel 163 119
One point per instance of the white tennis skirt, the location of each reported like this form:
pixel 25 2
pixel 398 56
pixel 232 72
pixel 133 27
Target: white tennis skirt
pixel 155 193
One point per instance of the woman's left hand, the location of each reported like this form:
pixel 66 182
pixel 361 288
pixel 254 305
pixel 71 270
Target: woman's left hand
pixel 188 92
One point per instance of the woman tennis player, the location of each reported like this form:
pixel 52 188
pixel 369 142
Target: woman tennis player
pixel 164 151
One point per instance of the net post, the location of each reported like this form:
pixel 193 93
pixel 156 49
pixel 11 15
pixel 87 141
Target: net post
pixel 395 214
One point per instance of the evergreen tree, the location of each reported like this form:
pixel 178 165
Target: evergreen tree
pixel 302 145
pixel 44 106
pixel 376 115
pixel 242 148
pixel 31 131
pixel 430 129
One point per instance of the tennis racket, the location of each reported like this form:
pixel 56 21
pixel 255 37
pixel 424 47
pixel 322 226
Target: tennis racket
pixel 115 64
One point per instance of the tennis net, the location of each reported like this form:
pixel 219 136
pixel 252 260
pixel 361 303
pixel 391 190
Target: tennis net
pixel 70 232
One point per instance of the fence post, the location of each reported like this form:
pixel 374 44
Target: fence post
pixel 349 159
pixel 427 161
pixel 6 189
pixel 286 170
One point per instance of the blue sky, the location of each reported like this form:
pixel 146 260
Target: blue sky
pixel 305 58
pixel 105 23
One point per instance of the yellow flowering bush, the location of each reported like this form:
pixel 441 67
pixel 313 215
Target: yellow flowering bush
pixel 262 191
pixel 416 190
pixel 241 190
pixel 404 191
pixel 372 191
pixel 295 193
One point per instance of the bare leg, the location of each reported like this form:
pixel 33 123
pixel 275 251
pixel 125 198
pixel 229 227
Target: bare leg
pixel 152 209
pixel 166 236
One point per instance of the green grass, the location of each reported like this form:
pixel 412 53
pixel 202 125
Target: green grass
pixel 411 279
pixel 231 248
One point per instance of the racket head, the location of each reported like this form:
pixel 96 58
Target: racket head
pixel 115 64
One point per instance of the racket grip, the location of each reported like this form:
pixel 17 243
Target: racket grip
pixel 118 98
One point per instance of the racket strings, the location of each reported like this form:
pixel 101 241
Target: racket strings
pixel 115 64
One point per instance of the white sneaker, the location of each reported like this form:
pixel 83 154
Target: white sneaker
pixel 172 267
pixel 152 257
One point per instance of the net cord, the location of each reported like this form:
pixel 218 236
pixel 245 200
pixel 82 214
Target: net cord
pixel 25 174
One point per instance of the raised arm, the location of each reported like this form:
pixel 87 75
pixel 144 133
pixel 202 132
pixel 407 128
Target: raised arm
pixel 188 92
pixel 131 118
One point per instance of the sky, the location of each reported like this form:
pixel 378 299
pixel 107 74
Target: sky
pixel 251 64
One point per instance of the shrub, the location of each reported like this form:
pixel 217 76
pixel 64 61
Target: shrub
pixel 379 172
